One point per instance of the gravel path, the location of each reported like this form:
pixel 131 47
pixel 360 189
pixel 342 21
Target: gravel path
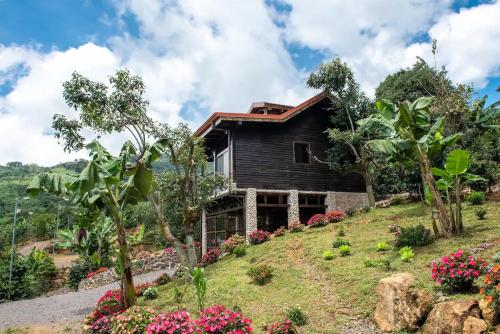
pixel 64 308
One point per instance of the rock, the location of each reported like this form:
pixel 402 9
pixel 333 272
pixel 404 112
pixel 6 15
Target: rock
pixel 400 305
pixel 488 313
pixel 449 317
pixel 473 325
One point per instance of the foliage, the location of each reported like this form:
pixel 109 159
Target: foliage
pixel 280 232
pixel 295 227
pixel 151 293
pixel 258 237
pixel 134 320
pixel 260 273
pixel 476 198
pixel 219 319
pixel 384 263
pixel 328 255
pixel 232 242
pixel 78 271
pixel 341 231
pixel 345 250
pixel 20 285
pixel 350 212
pixel 211 256
pixel 317 220
pixel 171 323
pixel 141 288
pixel 481 213
pixel 199 282
pixel 334 216
pixel 340 242
pixel 98 271
pixel 107 306
pixel 457 272
pixel 490 288
pixel 417 235
pixel 162 279
pixel 297 315
pixel 41 271
pixel 406 254
pixel 382 246
pixel 282 327
pixel 496 258
pixel 100 326
pixel 240 251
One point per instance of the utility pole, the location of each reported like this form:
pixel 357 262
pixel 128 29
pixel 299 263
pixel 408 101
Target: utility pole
pixel 12 246
pixel 56 230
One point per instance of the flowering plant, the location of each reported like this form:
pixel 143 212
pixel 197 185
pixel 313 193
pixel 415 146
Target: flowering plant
pixel 211 256
pixel 458 271
pixel 280 232
pixel 169 251
pixel 140 288
pixel 258 237
pixel 490 288
pixel 133 321
pixel 100 326
pixel 172 323
pixel 107 306
pixel 218 319
pixel 98 271
pixel 232 242
pixel 283 327
pixel 317 220
pixel 334 216
pixel 295 226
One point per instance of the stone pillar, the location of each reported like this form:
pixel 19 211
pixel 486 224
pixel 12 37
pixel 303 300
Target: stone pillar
pixel 251 210
pixel 203 232
pixel 293 206
pixel 330 201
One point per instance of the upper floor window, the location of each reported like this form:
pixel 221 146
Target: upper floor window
pixel 301 153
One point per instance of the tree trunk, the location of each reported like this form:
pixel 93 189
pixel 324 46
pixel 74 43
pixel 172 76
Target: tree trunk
pixel 369 187
pixel 452 217
pixel 128 281
pixel 191 250
pixel 458 206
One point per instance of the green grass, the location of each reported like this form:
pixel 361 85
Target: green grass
pixel 330 291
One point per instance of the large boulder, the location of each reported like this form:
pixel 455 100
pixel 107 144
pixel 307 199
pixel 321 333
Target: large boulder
pixel 449 317
pixel 488 313
pixel 400 305
pixel 473 325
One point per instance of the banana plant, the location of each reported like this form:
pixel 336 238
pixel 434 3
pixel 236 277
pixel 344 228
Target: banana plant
pixel 452 177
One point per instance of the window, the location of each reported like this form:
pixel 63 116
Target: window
pixel 301 153
pixel 222 163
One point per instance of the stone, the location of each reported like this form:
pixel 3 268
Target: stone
pixel 473 325
pixel 488 313
pixel 400 305
pixel 449 317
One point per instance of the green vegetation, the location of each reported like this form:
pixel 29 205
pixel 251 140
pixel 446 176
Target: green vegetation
pixel 476 198
pixel 340 242
pixel 297 315
pixel 382 246
pixel 328 255
pixel 406 253
pixel 416 235
pixel 481 213
pixel 345 250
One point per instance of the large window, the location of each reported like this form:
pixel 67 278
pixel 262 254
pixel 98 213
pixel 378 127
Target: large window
pixel 222 163
pixel 221 227
pixel 301 153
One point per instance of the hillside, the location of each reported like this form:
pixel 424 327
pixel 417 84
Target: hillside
pixel 333 292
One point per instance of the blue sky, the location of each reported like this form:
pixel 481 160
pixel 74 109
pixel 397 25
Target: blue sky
pixel 200 57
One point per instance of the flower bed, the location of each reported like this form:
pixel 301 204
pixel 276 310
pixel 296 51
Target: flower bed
pixel 107 306
pixel 296 226
pixel 98 271
pixel 283 327
pixel 317 220
pixel 490 288
pixel 219 319
pixel 334 216
pixel 211 256
pixel 258 237
pixel 172 323
pixel 232 242
pixel 140 288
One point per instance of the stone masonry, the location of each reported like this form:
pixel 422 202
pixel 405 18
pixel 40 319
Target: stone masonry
pixel 203 232
pixel 293 206
pixel 251 210
pixel 345 200
pixel 330 201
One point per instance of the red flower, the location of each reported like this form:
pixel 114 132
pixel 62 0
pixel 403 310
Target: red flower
pixel 258 237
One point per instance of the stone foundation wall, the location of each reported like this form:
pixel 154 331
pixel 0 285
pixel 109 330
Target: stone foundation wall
pixel 293 206
pixel 345 200
pixel 251 210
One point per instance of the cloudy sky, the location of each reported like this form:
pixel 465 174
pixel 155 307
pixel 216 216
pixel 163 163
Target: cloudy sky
pixel 201 56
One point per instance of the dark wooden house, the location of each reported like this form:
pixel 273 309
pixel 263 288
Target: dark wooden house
pixel 269 154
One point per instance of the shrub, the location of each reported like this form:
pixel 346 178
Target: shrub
pixel 40 271
pixel 481 213
pixel 295 227
pixel 172 323
pixel 382 246
pixel 413 236
pixel 231 243
pixel 100 326
pixel 297 315
pixel 282 327
pixel 345 250
pixel 258 237
pixel 141 288
pixel 151 293
pixel 496 258
pixel 317 220
pixel 328 255
pixel 211 256
pixel 162 279
pixel 133 321
pixel 98 271
pixel 367 209
pixel 260 273
pixel 476 198
pixel 240 251
pixel 490 288
pixel 350 212
pixel 334 216
pixel 340 242
pixel 385 263
pixel 280 232
pixel 219 319
pixel 107 306
pixel 19 287
pixel 77 272
pixel 458 271
pixel 406 254
pixel 341 231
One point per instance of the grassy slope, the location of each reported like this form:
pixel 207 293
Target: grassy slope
pixel 330 291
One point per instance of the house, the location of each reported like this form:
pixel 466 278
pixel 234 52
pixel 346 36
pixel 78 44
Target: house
pixel 274 156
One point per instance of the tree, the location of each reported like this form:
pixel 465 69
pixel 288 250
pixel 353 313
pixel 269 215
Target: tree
pixel 348 151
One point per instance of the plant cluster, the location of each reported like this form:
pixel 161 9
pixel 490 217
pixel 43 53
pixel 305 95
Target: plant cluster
pixel 169 251
pixel 172 323
pixel 328 255
pixel 334 216
pixel 240 251
pixel 406 254
pixel 317 220
pixel 340 242
pixel 258 237
pixel 385 263
pixel 476 198
pixel 350 212
pixel 341 231
pixel 280 232
pixel 151 293
pixel 490 288
pixel 382 246
pixel 134 320
pixel 107 306
pixel 296 226
pixel 297 315
pixel 219 319
pixel 211 256
pixel 457 271
pixel 260 273
pixel 162 279
pixel 78 272
pixel 232 242
pixel 345 250
pixel 496 258
pixel 282 327
pixel 413 236
pixel 199 282
pixel 481 213
pixel 98 271
pixel 140 288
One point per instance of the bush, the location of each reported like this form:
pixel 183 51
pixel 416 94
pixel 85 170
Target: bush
pixel 382 246
pixel 481 213
pixel 296 315
pixel 107 306
pixel 341 231
pixel 340 242
pixel 100 326
pixel 282 327
pixel 78 272
pixel 219 319
pixel 98 271
pixel 280 232
pixel 151 293
pixel 413 236
pixel 162 279
pixel 258 237
pixel 231 243
pixel 317 220
pixel 476 198
pixel 490 288
pixel 295 227
pixel 240 251
pixel 457 272
pixel 328 255
pixel 134 320
pixel 334 216
pixel 345 250
pixel 140 288
pixel 260 273
pixel 172 323
pixel 406 254
pixel 385 263
pixel 350 212
pixel 20 286
pixel 211 256
pixel 41 270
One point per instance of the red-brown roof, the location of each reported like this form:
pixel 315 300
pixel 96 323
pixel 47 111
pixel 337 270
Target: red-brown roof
pixel 259 117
